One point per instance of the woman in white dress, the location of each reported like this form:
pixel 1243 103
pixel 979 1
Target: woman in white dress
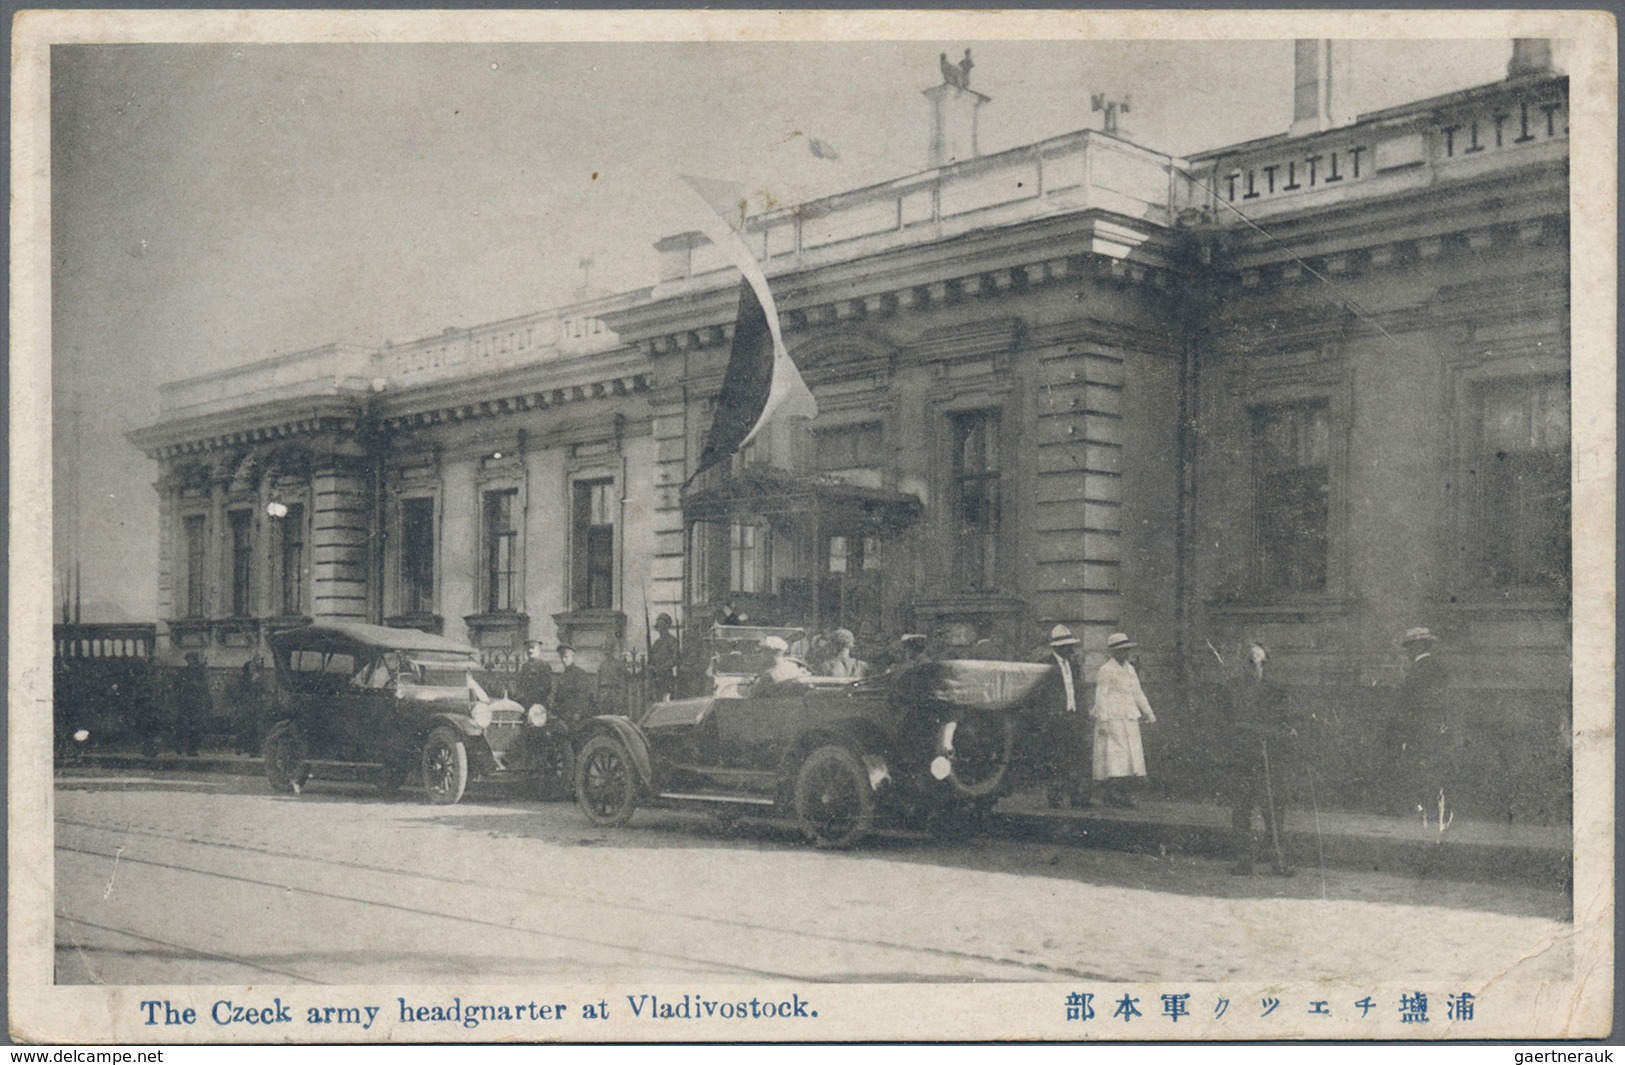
pixel 1119 705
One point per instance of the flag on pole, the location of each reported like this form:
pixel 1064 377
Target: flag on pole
pixel 761 381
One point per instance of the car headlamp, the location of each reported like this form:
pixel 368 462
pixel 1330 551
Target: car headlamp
pixel 941 766
pixel 537 714
pixel 481 713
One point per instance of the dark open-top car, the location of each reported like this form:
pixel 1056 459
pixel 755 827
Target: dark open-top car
pixel 401 700
pixel 914 747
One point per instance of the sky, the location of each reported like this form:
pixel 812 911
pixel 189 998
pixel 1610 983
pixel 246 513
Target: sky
pixel 213 205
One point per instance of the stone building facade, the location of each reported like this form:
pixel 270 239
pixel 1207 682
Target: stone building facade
pixel 1310 390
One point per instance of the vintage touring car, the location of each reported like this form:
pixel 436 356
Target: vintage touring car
pixel 400 700
pixel 915 747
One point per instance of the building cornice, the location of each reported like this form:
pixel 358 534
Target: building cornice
pixel 621 372
pixel 988 264
pixel 251 424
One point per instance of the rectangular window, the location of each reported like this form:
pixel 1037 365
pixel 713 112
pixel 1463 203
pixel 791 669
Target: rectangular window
pixel 593 565
pixel 242 562
pixel 1291 496
pixel 747 559
pixel 1522 467
pixel 848 447
pixel 501 550
pixel 976 501
pixel 853 554
pixel 293 561
pixel 197 551
pixel 417 556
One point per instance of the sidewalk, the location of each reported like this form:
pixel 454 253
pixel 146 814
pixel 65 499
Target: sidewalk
pixel 1535 855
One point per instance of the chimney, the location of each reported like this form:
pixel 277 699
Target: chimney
pixel 954 105
pixel 1530 56
pixel 1320 86
pixel 677 254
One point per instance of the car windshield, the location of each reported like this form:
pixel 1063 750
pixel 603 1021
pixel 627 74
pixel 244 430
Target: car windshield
pixel 430 670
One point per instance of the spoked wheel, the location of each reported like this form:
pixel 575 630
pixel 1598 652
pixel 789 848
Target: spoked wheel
pixel 834 803
pixel 982 745
pixel 284 759
pixel 555 769
pixel 606 781
pixel 445 766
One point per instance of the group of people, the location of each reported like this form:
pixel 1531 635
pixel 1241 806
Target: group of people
pixel 1116 755
pixel 570 694
pixel 1251 731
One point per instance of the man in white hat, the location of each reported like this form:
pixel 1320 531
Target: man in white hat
pixel 1421 733
pixel 1119 705
pixel 781 668
pixel 1067 746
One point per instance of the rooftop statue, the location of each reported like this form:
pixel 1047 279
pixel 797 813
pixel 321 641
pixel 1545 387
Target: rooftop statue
pixel 957 75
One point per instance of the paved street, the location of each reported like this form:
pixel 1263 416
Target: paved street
pixel 192 878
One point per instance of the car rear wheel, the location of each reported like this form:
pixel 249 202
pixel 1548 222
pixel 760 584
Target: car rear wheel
pixel 284 757
pixel 445 766
pixel 982 746
pixel 606 781
pixel 835 805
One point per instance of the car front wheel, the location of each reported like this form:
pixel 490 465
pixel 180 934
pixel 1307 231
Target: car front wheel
pixel 555 769
pixel 445 766
pixel 834 803
pixel 606 781
pixel 284 758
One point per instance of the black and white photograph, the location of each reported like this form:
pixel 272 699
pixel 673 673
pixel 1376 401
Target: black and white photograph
pixel 818 526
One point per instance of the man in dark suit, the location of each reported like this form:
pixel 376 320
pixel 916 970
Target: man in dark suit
pixel 1067 725
pixel 1252 742
pixel 1421 733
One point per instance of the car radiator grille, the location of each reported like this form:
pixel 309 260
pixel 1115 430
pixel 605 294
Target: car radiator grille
pixel 503 731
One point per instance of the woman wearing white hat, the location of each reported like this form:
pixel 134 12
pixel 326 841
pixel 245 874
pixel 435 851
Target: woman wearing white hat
pixel 1119 705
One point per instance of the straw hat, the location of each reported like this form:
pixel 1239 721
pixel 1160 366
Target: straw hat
pixel 1061 636
pixel 1117 641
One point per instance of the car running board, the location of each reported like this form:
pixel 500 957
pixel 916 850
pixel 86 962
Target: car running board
pixel 748 800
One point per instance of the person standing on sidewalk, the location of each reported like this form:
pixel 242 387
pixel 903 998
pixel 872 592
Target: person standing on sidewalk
pixel 1066 754
pixel 193 704
pixel 1252 741
pixel 248 696
pixel 1422 734
pixel 1119 705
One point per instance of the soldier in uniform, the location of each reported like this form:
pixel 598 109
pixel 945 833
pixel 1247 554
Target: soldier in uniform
pixel 535 682
pixel 573 689
pixel 665 659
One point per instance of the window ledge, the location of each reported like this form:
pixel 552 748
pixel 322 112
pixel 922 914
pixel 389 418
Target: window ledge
pixel 1266 608
pixel 1520 602
pixel 420 620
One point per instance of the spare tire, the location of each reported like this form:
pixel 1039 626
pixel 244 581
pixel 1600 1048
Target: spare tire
pixel 979 758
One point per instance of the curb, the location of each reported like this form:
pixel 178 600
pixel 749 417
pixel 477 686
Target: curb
pixel 1548 868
